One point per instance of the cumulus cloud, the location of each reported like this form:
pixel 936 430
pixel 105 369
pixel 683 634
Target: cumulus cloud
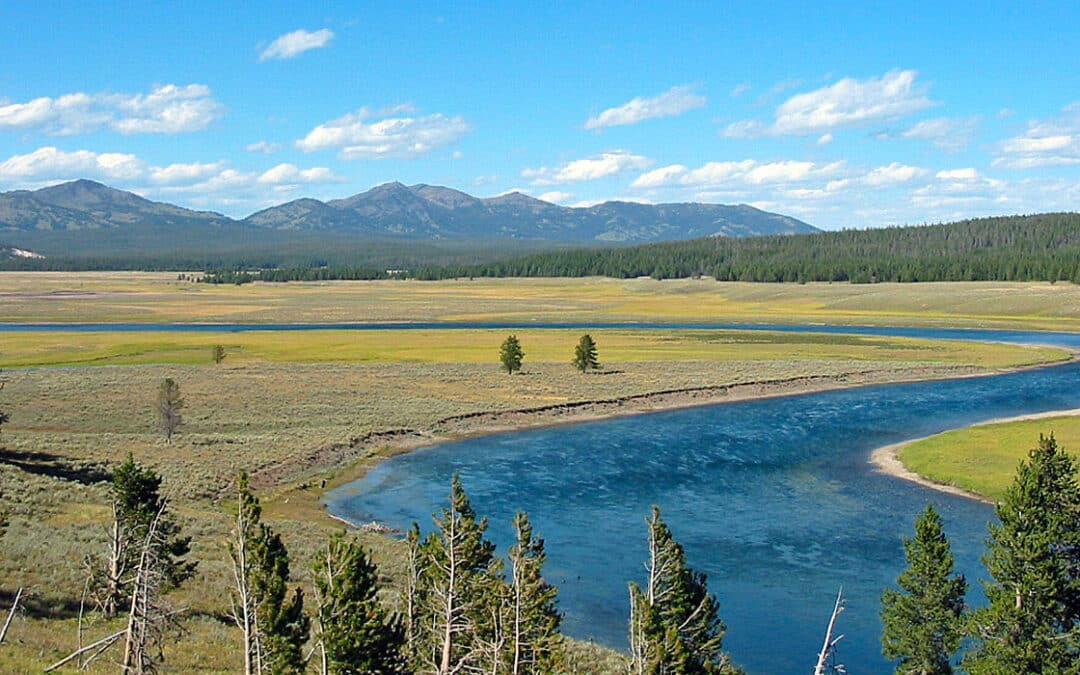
pixel 893 174
pixel 50 163
pixel 1050 142
pixel 213 184
pixel 747 171
pixel 846 103
pixel 358 136
pixel 165 109
pixel 967 173
pixel 556 196
pixel 674 101
pixel 590 168
pixel 295 43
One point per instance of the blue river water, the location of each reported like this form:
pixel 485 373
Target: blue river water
pixel 774 499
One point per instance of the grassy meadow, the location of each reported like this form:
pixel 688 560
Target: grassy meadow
pixel 80 401
pixel 161 297
pixel 983 458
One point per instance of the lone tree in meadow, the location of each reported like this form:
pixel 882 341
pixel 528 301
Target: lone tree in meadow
pixel 924 619
pixel 4 419
pixel 218 353
pixel 169 404
pixel 585 354
pixel 1032 622
pixel 511 354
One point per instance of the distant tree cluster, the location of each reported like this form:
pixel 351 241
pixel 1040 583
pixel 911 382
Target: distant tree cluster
pixel 585 359
pixel 1032 621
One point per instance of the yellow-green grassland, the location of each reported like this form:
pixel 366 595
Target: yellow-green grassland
pixel 295 408
pixel 983 458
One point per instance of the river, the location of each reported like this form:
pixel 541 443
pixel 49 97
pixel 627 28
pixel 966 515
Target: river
pixel 774 499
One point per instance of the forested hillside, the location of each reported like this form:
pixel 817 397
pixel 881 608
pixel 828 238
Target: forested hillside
pixel 1042 247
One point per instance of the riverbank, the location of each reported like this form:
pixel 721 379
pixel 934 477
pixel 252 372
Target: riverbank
pixel 341 463
pixel 887 459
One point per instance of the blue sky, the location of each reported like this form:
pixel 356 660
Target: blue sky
pixel 841 114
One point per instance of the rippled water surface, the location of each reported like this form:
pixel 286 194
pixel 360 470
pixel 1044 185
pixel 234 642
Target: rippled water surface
pixel 773 499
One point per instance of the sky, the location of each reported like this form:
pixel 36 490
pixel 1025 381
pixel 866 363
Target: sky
pixel 845 115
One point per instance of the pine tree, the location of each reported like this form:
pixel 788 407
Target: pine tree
pixel 274 625
pixel 511 354
pixel 4 419
pixel 1032 621
pixel 356 634
pixel 458 570
pixel 923 621
pixel 535 645
pixel 218 353
pixel 169 404
pixel 674 622
pixel 585 354
pixel 137 503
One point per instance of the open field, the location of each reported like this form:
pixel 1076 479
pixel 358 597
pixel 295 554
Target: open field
pixel 160 297
pixel 298 407
pixel 983 458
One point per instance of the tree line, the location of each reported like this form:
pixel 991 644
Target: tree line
pixel 1043 247
pixel 1015 248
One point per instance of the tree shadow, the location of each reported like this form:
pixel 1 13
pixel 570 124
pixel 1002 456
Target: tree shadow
pixel 42 607
pixel 55 466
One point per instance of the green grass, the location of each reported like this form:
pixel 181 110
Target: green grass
pixel 160 297
pixel 59 348
pixel 983 458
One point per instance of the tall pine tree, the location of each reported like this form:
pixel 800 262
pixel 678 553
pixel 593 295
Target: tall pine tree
pixel 357 635
pixel 274 624
pixel 535 645
pixel 459 581
pixel 675 625
pixel 1032 622
pixel 923 620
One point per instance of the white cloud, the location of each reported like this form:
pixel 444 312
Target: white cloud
pixel 893 174
pixel 556 197
pixel 184 173
pixel 948 133
pixel 846 103
pixel 674 101
pixel 52 164
pixel 740 89
pixel 825 139
pixel 358 138
pixel 590 168
pixel 289 173
pixel 265 147
pixel 1050 142
pixel 486 180
pixel 747 172
pixel 967 173
pixel 295 43
pixel 165 109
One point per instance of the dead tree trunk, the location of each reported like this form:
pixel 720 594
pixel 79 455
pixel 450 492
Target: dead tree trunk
pixel 829 647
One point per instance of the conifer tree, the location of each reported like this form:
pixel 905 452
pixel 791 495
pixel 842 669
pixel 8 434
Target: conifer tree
pixel 356 634
pixel 535 645
pixel 413 601
pixel 511 354
pixel 923 620
pixel 137 503
pixel 274 625
pixel 1032 621
pixel 674 622
pixel 459 571
pixel 585 354
pixel 218 353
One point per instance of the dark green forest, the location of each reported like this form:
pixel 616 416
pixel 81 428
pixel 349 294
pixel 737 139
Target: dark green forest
pixel 1015 248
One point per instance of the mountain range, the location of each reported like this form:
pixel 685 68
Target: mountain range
pixel 389 211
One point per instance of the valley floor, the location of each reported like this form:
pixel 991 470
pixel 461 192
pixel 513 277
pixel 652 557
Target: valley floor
pixel 299 408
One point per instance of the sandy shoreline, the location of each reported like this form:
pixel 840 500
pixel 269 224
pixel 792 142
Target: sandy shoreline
pixel 887 461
